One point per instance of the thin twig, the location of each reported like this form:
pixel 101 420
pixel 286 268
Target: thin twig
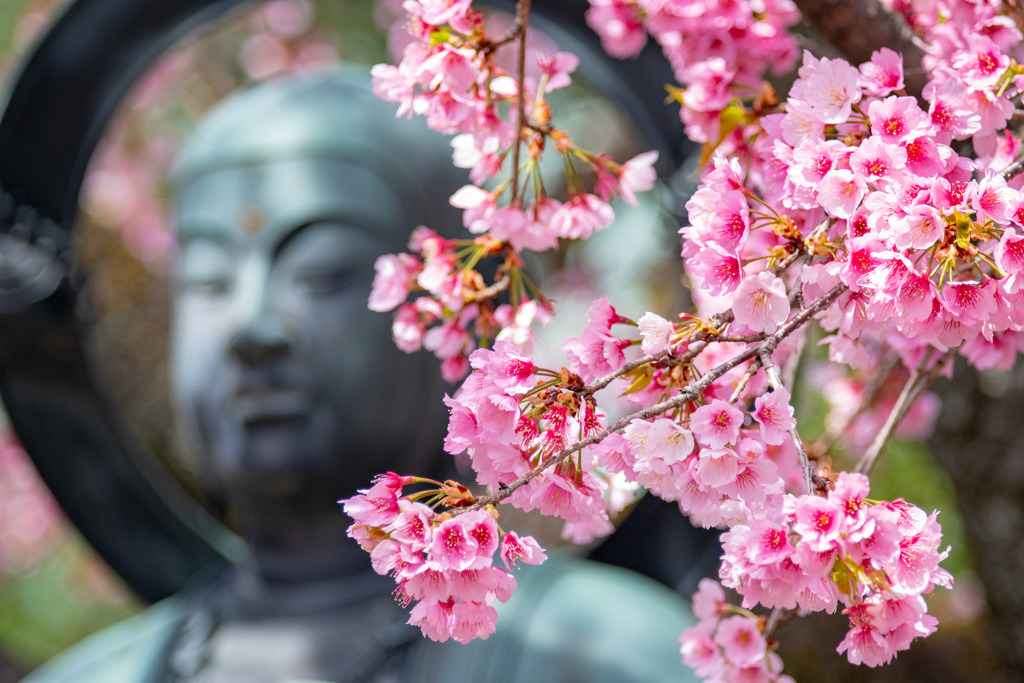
pixel 793 362
pixel 512 33
pixel 777 614
pixel 599 384
pixel 522 21
pixel 886 367
pixel 1014 169
pixel 751 371
pixel 768 364
pixel 914 387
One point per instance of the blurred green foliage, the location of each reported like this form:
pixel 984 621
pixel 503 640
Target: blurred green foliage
pixel 908 470
pixel 62 599
pixel 905 470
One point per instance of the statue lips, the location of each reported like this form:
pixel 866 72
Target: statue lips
pixel 271 405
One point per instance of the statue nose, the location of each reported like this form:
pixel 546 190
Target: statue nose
pixel 260 341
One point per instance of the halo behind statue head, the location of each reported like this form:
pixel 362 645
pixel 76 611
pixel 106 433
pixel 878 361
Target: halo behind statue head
pixel 57 110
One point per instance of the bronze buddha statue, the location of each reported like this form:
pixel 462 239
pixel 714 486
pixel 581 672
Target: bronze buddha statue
pixel 284 197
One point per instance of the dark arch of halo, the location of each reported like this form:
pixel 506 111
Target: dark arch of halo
pixel 58 108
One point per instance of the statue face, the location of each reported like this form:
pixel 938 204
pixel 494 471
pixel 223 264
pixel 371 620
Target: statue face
pixel 294 386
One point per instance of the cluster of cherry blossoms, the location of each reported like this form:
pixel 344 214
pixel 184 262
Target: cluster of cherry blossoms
pixel 456 307
pixel 513 418
pixel 892 221
pixel 728 643
pixel 450 74
pixel 718 50
pixel 876 558
pixel 441 561
pixel 868 185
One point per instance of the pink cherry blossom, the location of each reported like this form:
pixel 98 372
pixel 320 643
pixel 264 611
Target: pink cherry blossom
pixel 761 303
pixel 877 160
pixel 471 620
pixel 949 111
pixel 840 192
pixel 709 600
pixel 620 26
pixel 637 175
pixel 700 652
pixel 982 63
pixel 741 641
pixel 557 68
pixel 505 367
pixel 655 332
pixel 829 86
pixel 434 619
pixel 453 547
pixel 1009 256
pixel 883 74
pixel 774 415
pixel 516 549
pixel 581 216
pixel 395 274
pixel 716 424
pixel 819 523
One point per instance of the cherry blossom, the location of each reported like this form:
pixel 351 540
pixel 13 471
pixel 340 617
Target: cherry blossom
pixel 844 204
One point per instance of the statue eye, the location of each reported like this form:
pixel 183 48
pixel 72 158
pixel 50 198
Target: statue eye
pixel 207 270
pixel 210 289
pixel 325 280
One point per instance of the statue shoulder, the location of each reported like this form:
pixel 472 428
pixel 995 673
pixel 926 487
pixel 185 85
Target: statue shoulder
pixel 126 652
pixel 599 623
pixel 575 621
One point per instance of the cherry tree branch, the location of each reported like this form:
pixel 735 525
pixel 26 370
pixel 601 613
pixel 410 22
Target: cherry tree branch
pixel 1014 169
pixel 747 376
pixel 689 393
pixel 695 343
pixel 916 384
pixel 768 364
pixel 886 367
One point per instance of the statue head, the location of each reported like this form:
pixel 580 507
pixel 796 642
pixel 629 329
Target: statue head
pixel 284 197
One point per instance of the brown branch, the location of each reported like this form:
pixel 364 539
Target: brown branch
pixel 741 339
pixel 885 368
pixel 522 21
pixel 747 376
pixel 773 378
pixel 513 31
pixel 600 384
pixel 916 384
pixel 859 27
pixel 1014 169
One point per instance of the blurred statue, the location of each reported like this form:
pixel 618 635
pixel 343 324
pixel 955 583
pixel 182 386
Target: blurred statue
pixel 284 197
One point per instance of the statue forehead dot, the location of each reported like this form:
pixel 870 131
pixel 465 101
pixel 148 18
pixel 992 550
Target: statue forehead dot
pixel 252 219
